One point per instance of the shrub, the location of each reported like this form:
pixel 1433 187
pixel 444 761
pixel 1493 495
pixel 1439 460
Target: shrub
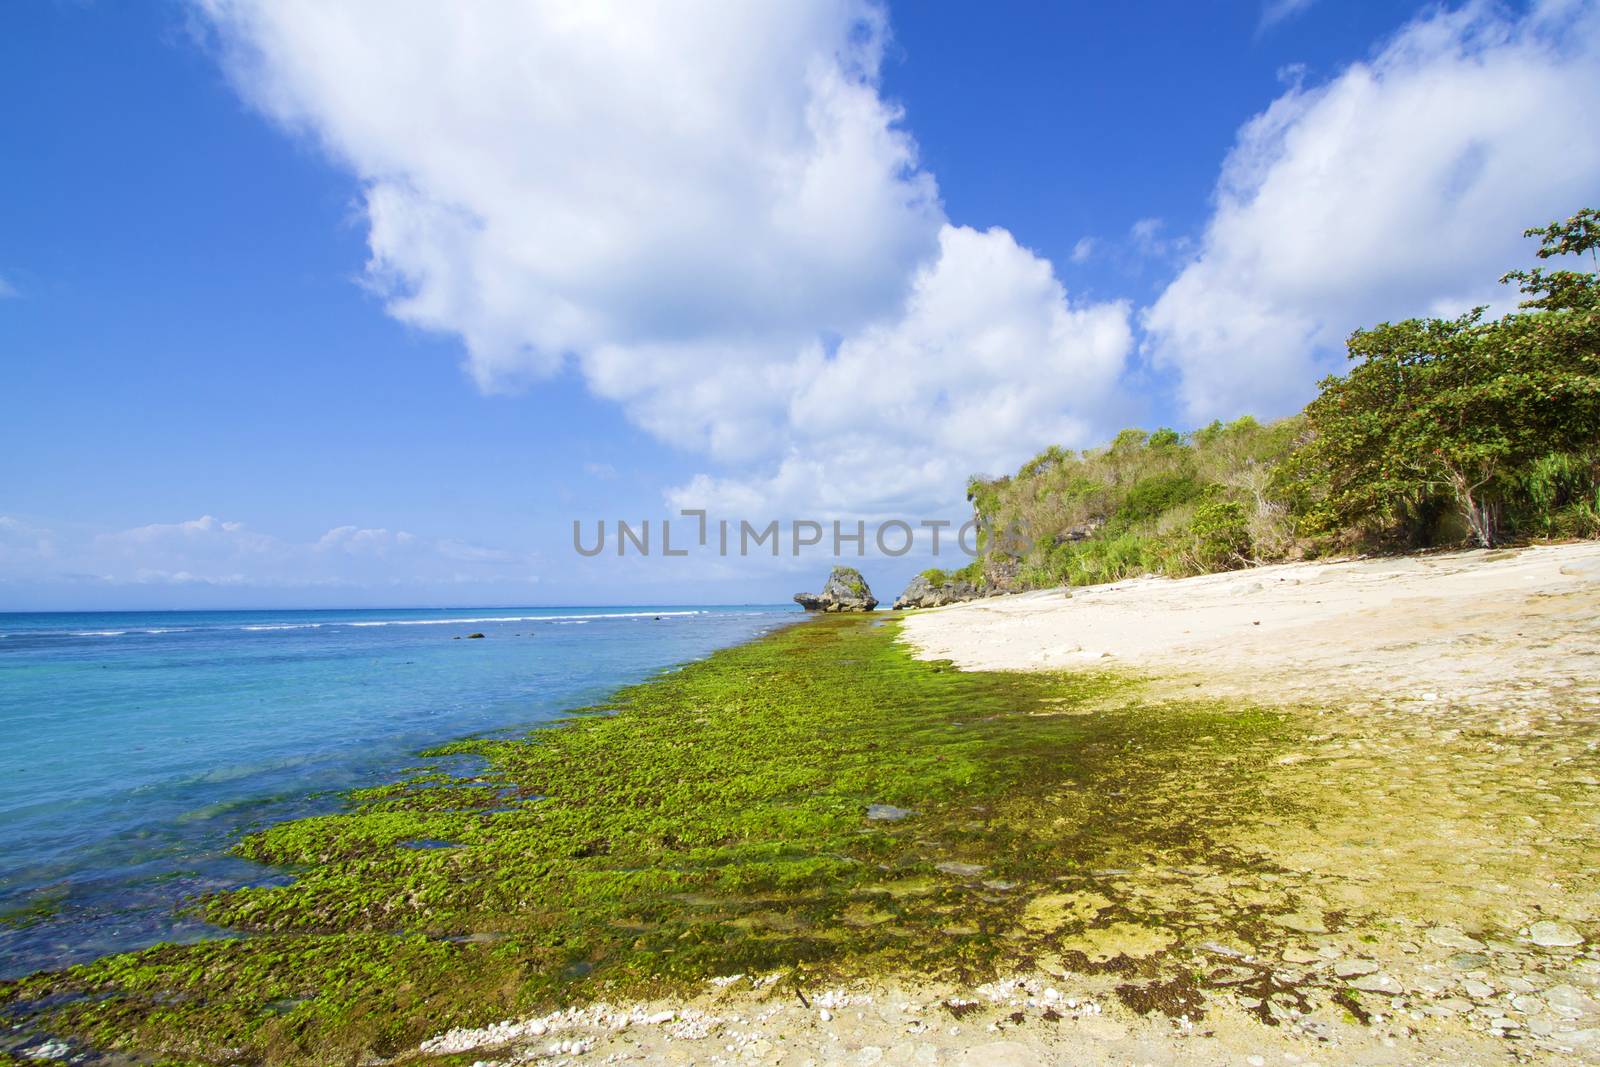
pixel 1221 535
pixel 1151 496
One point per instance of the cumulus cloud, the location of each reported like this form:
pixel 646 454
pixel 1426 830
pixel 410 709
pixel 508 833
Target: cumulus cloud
pixel 1399 187
pixel 986 342
pixel 709 210
pixel 543 179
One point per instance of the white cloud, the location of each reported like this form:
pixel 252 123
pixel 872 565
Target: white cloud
pixel 1400 187
pixel 986 343
pixel 24 542
pixel 1276 11
pixel 206 530
pixel 1146 235
pixel 214 552
pixel 354 540
pixel 7 290
pixel 544 179
pixel 465 552
pixel 1083 250
pixel 692 203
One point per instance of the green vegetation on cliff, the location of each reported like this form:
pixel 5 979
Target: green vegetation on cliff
pixel 1148 502
pixel 713 821
pixel 1443 431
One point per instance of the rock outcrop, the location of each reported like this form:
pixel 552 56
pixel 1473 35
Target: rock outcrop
pixel 845 590
pixel 923 592
pixel 1081 532
pixel 1002 574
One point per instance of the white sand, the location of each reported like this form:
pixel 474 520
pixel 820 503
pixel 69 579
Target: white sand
pixel 1464 626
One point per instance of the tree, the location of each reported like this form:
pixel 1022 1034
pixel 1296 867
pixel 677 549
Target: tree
pixel 1564 290
pixel 1457 407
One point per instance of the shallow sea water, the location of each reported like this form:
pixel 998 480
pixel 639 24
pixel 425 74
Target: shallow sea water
pixel 140 746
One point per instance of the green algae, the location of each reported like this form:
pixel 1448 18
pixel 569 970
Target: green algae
pixel 37 908
pixel 711 821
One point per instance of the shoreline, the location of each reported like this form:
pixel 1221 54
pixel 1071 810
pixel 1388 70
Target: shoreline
pixel 816 847
pixel 734 838
pixel 117 809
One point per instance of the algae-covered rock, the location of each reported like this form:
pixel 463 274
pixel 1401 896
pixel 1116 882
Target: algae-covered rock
pixel 845 590
pixel 924 592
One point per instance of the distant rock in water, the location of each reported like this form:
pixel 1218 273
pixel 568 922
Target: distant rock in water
pixel 845 590
pixel 471 637
pixel 923 592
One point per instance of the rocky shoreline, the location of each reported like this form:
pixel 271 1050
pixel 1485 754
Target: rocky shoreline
pixel 935 591
pixel 847 590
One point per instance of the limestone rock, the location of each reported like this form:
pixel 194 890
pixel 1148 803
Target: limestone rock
pixel 923 592
pixel 1449 937
pixel 1354 968
pixel 1554 935
pixel 1567 1000
pixel 1081 532
pixel 845 590
pixel 1002 574
pixel 1376 983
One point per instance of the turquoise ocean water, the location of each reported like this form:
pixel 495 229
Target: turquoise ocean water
pixel 139 746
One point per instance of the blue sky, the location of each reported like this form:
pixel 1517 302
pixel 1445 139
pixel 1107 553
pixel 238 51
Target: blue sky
pixel 287 323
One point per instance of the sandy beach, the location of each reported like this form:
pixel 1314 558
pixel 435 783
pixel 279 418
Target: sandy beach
pixel 1476 627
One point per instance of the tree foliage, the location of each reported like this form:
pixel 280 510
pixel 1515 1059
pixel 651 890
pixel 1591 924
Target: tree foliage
pixel 1443 430
pixel 1461 408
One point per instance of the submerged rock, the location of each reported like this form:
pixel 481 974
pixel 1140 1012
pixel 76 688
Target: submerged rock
pixel 923 592
pixel 961 870
pixel 887 812
pixel 845 590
